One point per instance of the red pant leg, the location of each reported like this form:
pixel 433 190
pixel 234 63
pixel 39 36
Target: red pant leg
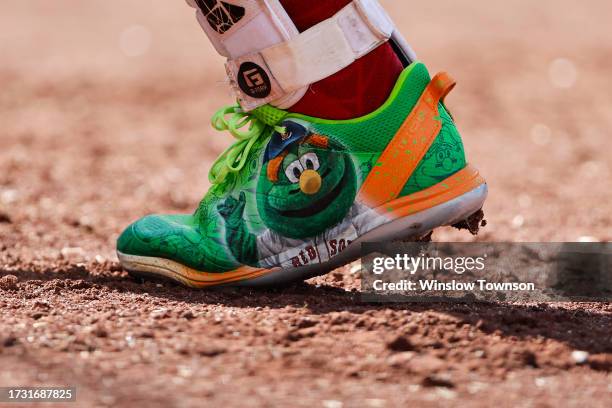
pixel 356 90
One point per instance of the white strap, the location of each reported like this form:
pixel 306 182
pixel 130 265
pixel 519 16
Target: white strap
pixel 317 53
pixel 242 27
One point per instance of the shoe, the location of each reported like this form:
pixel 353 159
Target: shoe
pixel 295 195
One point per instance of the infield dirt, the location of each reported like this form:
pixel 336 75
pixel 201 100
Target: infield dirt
pixel 93 138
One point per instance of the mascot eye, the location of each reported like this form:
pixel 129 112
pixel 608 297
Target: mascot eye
pixel 294 171
pixel 310 161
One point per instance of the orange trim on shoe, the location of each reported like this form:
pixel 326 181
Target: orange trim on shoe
pixel 205 279
pixel 186 275
pixel 455 186
pixel 408 147
pixel 239 275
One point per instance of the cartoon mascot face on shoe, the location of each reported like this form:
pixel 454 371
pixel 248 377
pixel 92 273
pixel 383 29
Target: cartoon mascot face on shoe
pixel 307 185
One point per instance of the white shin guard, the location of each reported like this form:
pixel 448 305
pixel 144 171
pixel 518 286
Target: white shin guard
pixel 270 61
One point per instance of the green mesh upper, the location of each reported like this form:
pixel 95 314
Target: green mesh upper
pixel 372 133
pixel 368 136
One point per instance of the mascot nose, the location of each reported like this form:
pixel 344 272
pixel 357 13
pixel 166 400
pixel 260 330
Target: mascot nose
pixel 310 182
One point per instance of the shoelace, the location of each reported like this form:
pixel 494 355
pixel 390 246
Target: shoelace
pixel 245 127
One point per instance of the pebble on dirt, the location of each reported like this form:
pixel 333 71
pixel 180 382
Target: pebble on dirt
pixel 9 282
pixel 400 343
pixel 73 253
pixel 5 218
pixel 580 357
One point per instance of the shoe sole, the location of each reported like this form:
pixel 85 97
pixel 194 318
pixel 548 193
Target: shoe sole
pixel 415 216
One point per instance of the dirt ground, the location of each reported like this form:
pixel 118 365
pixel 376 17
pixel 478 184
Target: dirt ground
pixel 104 113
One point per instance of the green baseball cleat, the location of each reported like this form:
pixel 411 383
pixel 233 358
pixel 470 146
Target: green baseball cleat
pixel 296 195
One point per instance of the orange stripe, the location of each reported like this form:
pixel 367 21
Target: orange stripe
pixel 204 279
pixel 243 276
pixel 455 186
pixel 408 147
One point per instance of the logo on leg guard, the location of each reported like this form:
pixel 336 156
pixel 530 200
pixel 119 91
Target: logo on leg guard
pixel 221 15
pixel 254 81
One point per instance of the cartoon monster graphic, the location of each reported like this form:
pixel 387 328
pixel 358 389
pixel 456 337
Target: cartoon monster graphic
pixel 444 158
pixel 306 199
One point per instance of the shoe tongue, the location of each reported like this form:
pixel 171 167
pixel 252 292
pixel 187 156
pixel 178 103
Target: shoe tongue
pixel 269 115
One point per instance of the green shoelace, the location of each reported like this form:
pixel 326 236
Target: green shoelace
pixel 245 127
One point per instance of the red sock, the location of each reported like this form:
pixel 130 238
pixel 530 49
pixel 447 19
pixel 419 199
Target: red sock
pixel 358 89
